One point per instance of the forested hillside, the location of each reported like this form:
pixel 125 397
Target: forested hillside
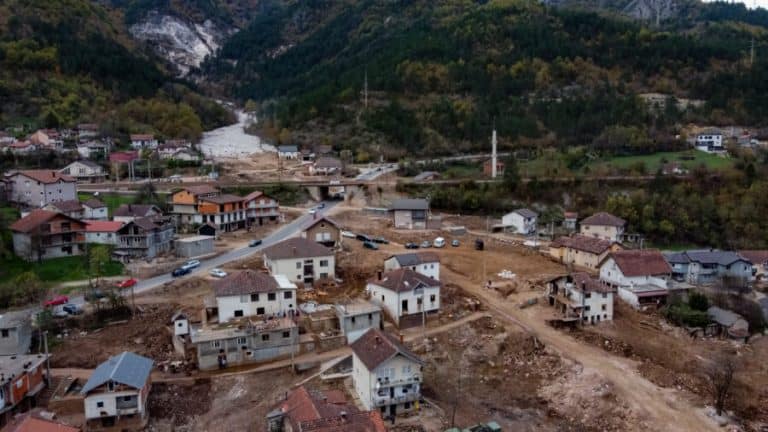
pixel 66 61
pixel 441 73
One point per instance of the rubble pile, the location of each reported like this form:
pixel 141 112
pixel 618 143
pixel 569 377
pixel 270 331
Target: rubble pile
pixel 170 402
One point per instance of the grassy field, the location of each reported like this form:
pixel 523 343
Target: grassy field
pixel 54 270
pixel 688 159
pixel 112 201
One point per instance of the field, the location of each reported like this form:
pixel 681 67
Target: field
pixel 63 269
pixel 112 201
pixel 688 159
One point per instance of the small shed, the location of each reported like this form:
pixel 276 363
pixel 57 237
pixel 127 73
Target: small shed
pixel 180 323
pixel 731 324
pixel 208 230
pixel 194 246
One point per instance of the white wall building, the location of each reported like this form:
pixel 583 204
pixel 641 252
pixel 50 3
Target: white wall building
pixel 426 263
pixel 407 296
pixel 639 276
pixel 523 220
pixel 249 293
pixel 604 226
pixel 102 232
pixel 300 260
pixel 580 296
pixel 357 317
pixel 386 375
pixel 710 141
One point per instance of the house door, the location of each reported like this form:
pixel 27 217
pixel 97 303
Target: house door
pixel 309 271
pixel 393 410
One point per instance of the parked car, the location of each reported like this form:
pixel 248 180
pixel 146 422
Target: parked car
pixel 254 243
pixel 56 301
pixel 72 309
pixel 411 245
pixel 426 244
pixel 439 242
pixel 94 295
pixel 127 283
pixel 312 211
pixel 381 240
pixel 348 234
pixel 370 245
pixel 363 238
pixel 181 271
pixel 321 205
pixel 218 273
pixel 58 312
pixel 455 243
pixel 479 244
pixel 191 264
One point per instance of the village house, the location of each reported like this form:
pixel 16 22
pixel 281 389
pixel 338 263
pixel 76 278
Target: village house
pixel 199 205
pixel 145 237
pixel 87 131
pixel 130 212
pixel 524 221
pixel 603 225
pixel 21 148
pixel 93 149
pixel 410 213
pixel 102 231
pixel 248 293
pixel 143 141
pixel 185 203
pixel 48 139
pixel 226 211
pixel 701 267
pixel 128 158
pixel 321 411
pixel 6 139
pixel 582 251
pixel 243 341
pixel 426 263
pixel 570 219
pixel 406 296
pixel 168 149
pixel 639 276
pixel 36 188
pixel 15 332
pixel 581 297
pixel 710 141
pixel 323 230
pixel 72 208
pixel 730 324
pixel 94 209
pixel 357 317
pixel 261 208
pixel 759 260
pixel 22 378
pixel 85 171
pixel 300 260
pixel 44 235
pixel 326 166
pixel 307 155
pixel 290 152
pixel 386 375
pixel 488 167
pixel 116 393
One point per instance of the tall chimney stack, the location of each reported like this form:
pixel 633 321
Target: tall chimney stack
pixel 493 154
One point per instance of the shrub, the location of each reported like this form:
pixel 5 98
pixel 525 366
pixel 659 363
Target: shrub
pixel 698 301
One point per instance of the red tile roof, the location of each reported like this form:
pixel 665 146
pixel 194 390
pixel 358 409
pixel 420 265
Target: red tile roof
pixel 68 206
pixel 757 257
pixel 375 347
pixel 296 247
pixel 222 199
pixel 403 279
pixel 142 137
pixel 34 424
pixel 583 243
pixel 201 189
pixel 603 218
pixel 102 226
pixel 243 283
pixel 36 218
pixel 327 411
pixel 94 203
pixel 646 262
pixel 47 176
pixel 125 156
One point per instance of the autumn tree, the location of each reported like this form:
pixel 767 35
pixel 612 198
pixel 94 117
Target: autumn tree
pixel 719 376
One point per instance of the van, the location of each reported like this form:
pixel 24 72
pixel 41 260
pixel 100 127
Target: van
pixel 439 242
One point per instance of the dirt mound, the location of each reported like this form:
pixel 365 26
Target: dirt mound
pixel 168 401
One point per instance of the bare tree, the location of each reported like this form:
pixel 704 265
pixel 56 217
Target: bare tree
pixel 720 378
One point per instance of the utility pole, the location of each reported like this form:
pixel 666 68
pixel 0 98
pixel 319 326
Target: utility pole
pixel 752 52
pixel 47 358
pixel 365 90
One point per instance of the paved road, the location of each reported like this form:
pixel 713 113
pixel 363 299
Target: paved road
pixel 374 173
pixel 283 233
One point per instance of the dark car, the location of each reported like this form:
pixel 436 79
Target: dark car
pixel 254 243
pixel 411 245
pixel 181 271
pixel 321 205
pixel 363 238
pixel 370 245
pixel 94 295
pixel 381 240
pixel 72 309
pixel 479 244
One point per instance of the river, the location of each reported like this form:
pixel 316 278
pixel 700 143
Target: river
pixel 232 141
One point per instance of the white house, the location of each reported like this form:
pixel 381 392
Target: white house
pixel 141 141
pixel 288 152
pixel 640 276
pixel 36 188
pixel 102 231
pixel 249 293
pixel 117 391
pixel 95 209
pixel 326 166
pixel 407 296
pixel 91 149
pixel 85 171
pixel 710 141
pixel 426 263
pixel 180 323
pixel 410 213
pixel 603 225
pixel 580 296
pixel 386 375
pixel 300 260
pixel 523 220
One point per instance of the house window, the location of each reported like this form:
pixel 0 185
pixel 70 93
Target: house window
pixel 432 298
pixel 587 295
pixel 99 404
pixel 406 369
pixel 254 297
pixel 216 344
pixel 586 308
pixel 298 265
pixel 286 334
pixel 241 341
pixel 323 263
pixel 111 386
pixel 407 405
pixel 605 307
pixel 127 398
pixel 239 313
pixel 4 333
pixel 323 275
pixel 353 320
pixel 605 295
pixel 288 294
pixel 405 305
pixel 265 337
pixel 271 297
pixel 370 317
pixel 260 311
pixel 243 299
pixel 418 301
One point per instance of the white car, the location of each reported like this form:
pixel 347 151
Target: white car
pixel 312 211
pixel 439 242
pixel 189 265
pixel 348 234
pixel 218 273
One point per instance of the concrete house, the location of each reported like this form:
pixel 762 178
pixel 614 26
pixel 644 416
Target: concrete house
pixel 426 263
pixel 87 131
pixel 605 226
pixel 44 235
pixel 22 378
pixel 146 237
pixel 198 205
pixel 357 317
pixel 321 411
pixel 701 267
pixel 570 220
pixel 94 209
pixel 248 293
pixel 386 375
pixel 323 230
pixel 261 208
pixel 581 297
pixel 102 232
pixel 130 212
pixel 170 148
pixel 759 260
pixel 710 141
pixel 142 141
pixel 290 152
pixel 582 251
pixel 407 296
pixel 326 166
pixel 72 208
pixel 36 188
pixel 639 276
pixel 185 203
pixel 524 221
pixel 15 332
pixel 85 171
pixel 116 393
pixel 410 213
pixel 300 260
pixel 93 149
pixel 48 139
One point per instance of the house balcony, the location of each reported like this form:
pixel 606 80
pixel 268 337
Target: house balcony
pixel 387 400
pixel 386 382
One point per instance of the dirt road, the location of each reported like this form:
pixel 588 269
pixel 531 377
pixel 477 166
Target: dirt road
pixel 663 408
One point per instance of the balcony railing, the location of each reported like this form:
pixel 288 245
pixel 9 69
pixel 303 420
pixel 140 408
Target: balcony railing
pixel 386 382
pixel 387 400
